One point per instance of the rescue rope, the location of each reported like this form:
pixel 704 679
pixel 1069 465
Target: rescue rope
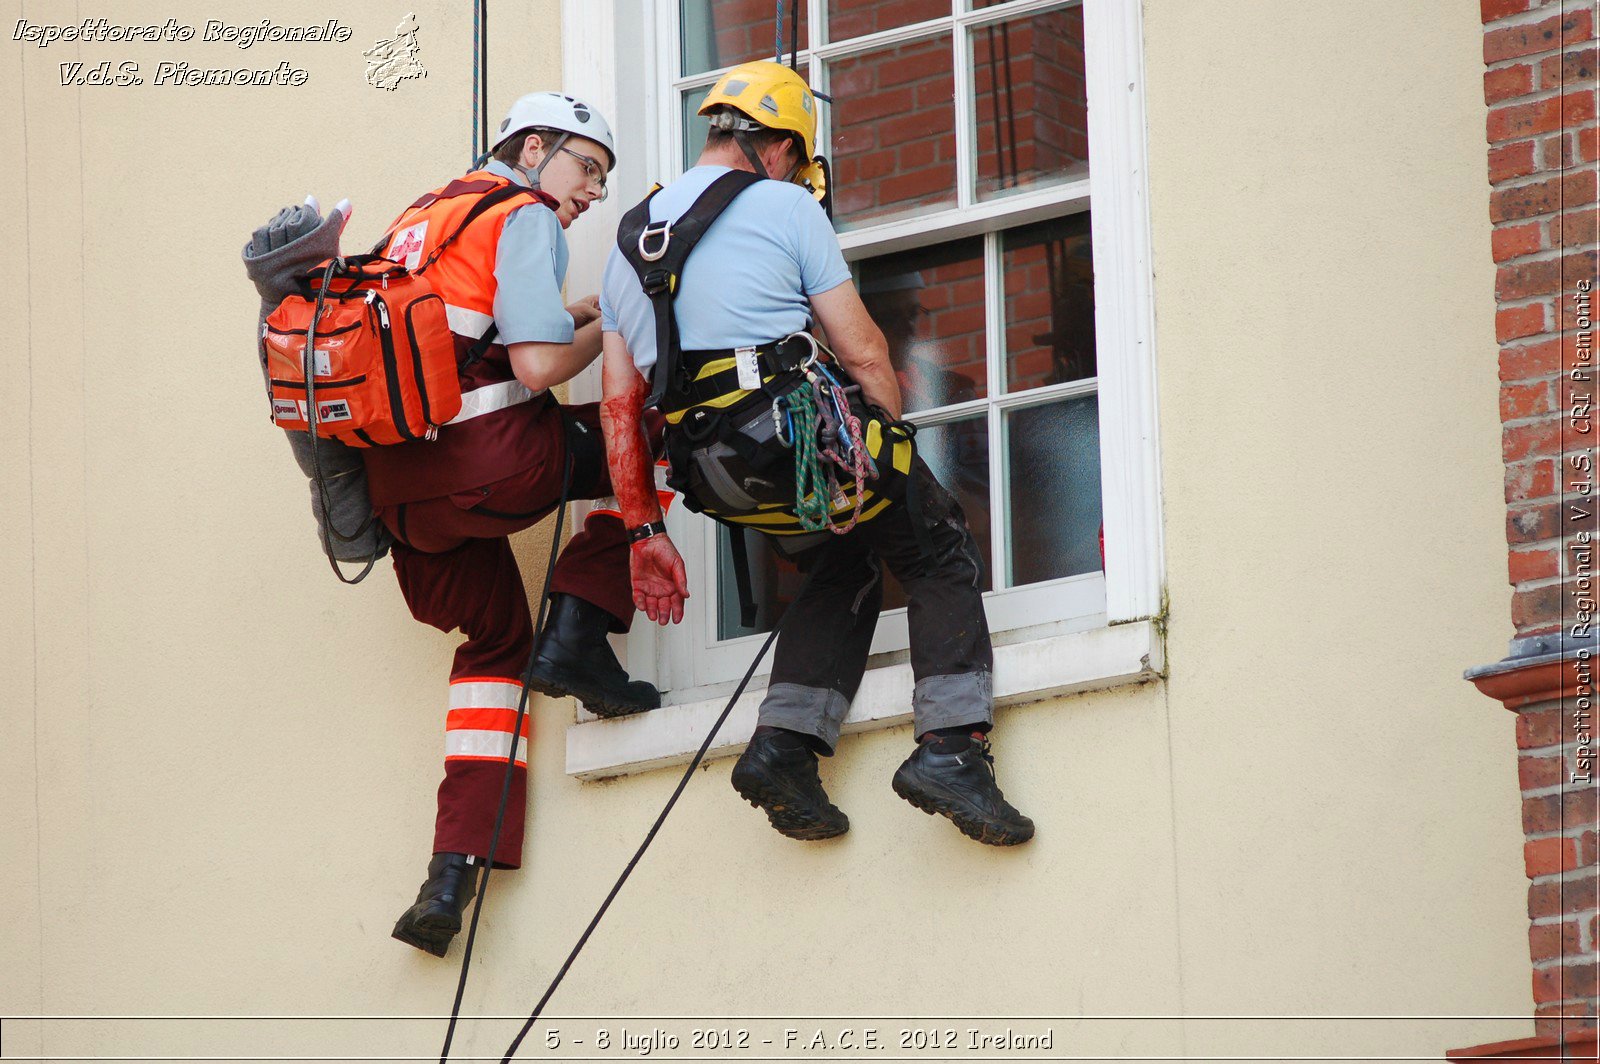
pixel 480 78
pixel 327 528
pixel 511 757
pixel 794 34
pixel 812 496
pixel 815 419
pixel 688 774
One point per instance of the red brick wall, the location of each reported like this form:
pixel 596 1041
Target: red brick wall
pixel 1049 304
pixel 1035 121
pixel 857 18
pixel 946 282
pixel 742 30
pixel 1540 86
pixel 1559 820
pixel 894 120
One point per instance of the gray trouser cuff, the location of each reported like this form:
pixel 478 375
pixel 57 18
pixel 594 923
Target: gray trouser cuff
pixel 953 701
pixel 815 711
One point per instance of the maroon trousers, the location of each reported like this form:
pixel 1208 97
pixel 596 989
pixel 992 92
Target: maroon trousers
pixel 457 570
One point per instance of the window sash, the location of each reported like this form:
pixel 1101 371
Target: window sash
pixel 958 25
pixel 1130 587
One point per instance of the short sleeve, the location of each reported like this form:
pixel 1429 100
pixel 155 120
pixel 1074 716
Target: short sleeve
pixel 608 307
pixel 527 303
pixel 816 248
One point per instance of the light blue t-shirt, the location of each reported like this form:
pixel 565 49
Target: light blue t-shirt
pixel 530 267
pixel 747 281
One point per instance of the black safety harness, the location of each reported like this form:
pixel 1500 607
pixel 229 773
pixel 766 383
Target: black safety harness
pixel 758 466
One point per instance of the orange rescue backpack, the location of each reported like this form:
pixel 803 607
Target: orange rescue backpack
pixel 363 353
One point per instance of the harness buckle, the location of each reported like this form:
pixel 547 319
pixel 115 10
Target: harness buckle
pixel 651 231
pixel 657 281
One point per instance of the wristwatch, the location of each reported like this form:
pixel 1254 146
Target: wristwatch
pixel 646 530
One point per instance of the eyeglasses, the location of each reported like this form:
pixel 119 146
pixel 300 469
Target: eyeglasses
pixel 591 169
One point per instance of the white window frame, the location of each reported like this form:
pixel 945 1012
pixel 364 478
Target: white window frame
pixel 1053 636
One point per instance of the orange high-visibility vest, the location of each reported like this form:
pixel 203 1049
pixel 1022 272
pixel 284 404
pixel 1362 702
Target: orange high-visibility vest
pixel 495 434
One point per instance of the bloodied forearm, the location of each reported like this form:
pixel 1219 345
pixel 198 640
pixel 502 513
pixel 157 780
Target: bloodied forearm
pixel 627 451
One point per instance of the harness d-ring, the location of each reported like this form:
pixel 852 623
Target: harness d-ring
pixel 660 229
pixel 816 348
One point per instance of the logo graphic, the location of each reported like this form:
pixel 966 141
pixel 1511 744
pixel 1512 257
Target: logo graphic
pixel 333 410
pixel 286 410
pixel 392 61
pixel 406 248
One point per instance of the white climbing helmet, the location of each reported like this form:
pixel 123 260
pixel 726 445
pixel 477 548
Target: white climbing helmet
pixel 558 111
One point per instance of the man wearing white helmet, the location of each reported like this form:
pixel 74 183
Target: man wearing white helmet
pixel 497 245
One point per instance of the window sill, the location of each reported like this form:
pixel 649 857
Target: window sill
pixel 1030 671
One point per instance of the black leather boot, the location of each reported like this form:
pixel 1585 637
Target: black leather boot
pixel 958 781
pixel 435 919
pixel 575 660
pixel 777 773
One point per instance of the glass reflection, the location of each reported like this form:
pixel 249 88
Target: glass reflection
pixel 929 302
pixel 774 582
pixel 894 142
pixel 724 33
pixel 1032 105
pixel 857 18
pixel 1054 490
pixel 958 454
pixel 1049 300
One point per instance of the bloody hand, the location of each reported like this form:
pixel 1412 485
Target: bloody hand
pixel 659 582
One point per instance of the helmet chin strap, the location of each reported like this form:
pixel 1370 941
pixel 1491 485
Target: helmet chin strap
pixel 549 154
pixel 741 138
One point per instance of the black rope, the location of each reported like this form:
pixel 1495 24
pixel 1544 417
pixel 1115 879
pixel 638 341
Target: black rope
pixel 794 37
pixel 308 365
pixel 1011 102
pixel 480 79
pixel 995 92
pixel 688 774
pixel 483 63
pixel 511 758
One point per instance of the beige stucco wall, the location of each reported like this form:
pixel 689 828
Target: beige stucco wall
pixel 217 765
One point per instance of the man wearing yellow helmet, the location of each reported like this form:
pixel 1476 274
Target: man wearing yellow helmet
pixel 723 337
pixel 758 100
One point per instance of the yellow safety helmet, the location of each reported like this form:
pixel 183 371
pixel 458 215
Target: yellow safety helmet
pixel 772 96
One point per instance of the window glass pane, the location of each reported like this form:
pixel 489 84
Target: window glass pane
pixel 894 142
pixel 724 33
pixel 929 302
pixel 1049 300
pixel 774 582
pixel 1032 109
pixel 1053 482
pixel 958 454
pixel 695 128
pixel 857 18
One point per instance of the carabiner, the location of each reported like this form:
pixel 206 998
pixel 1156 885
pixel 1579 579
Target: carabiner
pixel 781 426
pixel 654 229
pixel 816 348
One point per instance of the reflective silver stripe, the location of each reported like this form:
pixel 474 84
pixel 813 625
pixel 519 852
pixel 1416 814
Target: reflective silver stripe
pixel 485 694
pixel 467 322
pixel 489 398
pixel 465 742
